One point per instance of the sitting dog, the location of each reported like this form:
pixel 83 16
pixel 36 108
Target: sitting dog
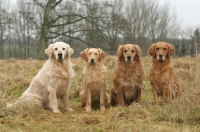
pixel 94 72
pixel 128 76
pixel 164 84
pixel 52 81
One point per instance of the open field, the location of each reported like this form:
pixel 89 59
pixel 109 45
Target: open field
pixel 182 115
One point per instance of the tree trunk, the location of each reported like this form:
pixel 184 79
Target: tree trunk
pixel 42 47
pixel 1 45
pixel 45 30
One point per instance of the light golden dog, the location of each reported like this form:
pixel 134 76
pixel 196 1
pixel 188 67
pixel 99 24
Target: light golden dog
pixel 52 81
pixel 164 84
pixel 128 76
pixel 94 93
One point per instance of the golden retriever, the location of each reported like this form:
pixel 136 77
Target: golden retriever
pixel 164 84
pixel 94 93
pixel 53 80
pixel 128 76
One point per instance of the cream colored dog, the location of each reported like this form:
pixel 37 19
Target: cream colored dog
pixel 94 93
pixel 53 80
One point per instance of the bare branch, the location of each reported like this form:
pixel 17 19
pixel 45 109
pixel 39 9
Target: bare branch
pixel 68 22
pixel 38 3
pixel 53 6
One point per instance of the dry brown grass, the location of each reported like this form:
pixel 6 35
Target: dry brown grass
pixel 180 115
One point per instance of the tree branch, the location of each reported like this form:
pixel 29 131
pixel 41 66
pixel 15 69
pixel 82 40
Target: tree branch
pixel 53 6
pixel 67 15
pixel 40 4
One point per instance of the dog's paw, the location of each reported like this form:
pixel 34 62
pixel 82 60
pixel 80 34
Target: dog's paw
pixel 102 108
pixel 69 109
pixel 57 112
pixel 88 110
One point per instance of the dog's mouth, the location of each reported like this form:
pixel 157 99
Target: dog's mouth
pixel 160 58
pixel 92 61
pixel 60 57
pixel 128 59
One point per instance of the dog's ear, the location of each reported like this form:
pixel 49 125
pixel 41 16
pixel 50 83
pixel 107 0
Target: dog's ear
pixel 151 50
pixel 171 50
pixel 49 50
pixel 120 51
pixel 70 51
pixel 84 54
pixel 101 55
pixel 138 51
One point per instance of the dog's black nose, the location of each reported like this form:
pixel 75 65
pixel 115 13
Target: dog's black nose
pixel 129 58
pixel 92 60
pixel 160 56
pixel 59 56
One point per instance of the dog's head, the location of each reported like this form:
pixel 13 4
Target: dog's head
pixel 59 51
pixel 93 55
pixel 129 52
pixel 161 51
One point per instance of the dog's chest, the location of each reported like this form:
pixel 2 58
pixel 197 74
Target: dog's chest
pixel 94 76
pixel 129 77
pixel 160 76
pixel 129 91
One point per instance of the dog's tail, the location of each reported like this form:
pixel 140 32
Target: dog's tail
pixel 25 99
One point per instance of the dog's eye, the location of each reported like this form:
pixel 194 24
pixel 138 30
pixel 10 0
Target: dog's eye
pixel 125 51
pixel 165 49
pixel 132 51
pixel 157 48
pixel 56 48
pixel 89 53
pixel 63 48
pixel 96 54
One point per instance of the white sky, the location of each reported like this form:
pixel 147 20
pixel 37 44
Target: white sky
pixel 188 11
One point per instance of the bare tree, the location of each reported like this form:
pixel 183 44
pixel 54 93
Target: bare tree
pixel 24 27
pixel 86 23
pixel 53 16
pixel 4 20
pixel 149 22
pixel 50 5
pixel 115 24
pixel 138 17
pixel 196 40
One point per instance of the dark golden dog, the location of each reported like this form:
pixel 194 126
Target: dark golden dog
pixel 165 86
pixel 128 76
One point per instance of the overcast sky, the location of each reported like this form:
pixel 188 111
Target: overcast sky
pixel 188 11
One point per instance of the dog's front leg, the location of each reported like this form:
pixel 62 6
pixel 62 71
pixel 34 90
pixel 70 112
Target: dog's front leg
pixel 120 96
pixel 155 94
pixel 102 99
pixel 53 101
pixel 138 94
pixel 88 100
pixel 64 99
pixel 166 94
pixel 113 96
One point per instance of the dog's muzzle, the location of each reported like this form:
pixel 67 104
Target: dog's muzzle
pixel 60 56
pixel 92 61
pixel 128 58
pixel 160 57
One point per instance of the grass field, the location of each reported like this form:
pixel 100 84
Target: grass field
pixel 181 115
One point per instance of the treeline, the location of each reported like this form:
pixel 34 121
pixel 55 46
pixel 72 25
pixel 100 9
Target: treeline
pixel 28 26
